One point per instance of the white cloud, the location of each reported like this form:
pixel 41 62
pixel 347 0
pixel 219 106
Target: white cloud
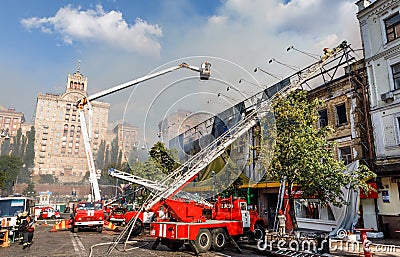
pixel 217 19
pixel 102 27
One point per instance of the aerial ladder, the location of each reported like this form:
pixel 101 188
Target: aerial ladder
pixel 172 184
pixel 188 171
pixel 204 71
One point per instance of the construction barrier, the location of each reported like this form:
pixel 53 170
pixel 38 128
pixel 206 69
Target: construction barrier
pixel 5 223
pixel 61 225
pixel 4 238
pixel 110 226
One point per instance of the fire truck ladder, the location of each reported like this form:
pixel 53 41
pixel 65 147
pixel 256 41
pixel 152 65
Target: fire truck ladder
pixel 149 184
pixel 189 170
pixel 183 175
pixel 153 186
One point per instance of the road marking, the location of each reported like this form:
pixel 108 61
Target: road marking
pixel 77 243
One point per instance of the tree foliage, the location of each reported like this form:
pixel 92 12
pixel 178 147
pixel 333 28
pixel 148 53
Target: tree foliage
pixel 29 190
pixel 47 179
pixel 305 158
pixel 114 151
pixel 100 158
pixel 16 148
pixel 165 159
pixel 10 166
pixel 29 155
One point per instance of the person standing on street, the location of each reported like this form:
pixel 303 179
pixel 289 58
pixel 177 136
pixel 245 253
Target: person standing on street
pixel 28 228
pixel 282 223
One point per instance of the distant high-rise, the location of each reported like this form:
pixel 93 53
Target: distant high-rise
pixel 59 146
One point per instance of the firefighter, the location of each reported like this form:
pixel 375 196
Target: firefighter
pixel 21 217
pixel 282 222
pixel 28 228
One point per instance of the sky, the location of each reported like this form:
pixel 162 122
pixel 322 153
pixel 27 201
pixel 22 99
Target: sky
pixel 115 41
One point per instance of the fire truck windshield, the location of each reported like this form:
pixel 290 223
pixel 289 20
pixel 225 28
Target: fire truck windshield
pixel 90 206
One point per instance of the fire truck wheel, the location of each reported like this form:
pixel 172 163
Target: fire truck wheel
pixel 99 229
pixel 218 239
pixel 53 217
pixel 203 240
pixel 174 245
pixel 137 229
pixel 259 232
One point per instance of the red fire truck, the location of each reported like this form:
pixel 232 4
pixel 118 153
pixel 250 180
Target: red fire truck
pixel 203 227
pixel 46 212
pixel 88 215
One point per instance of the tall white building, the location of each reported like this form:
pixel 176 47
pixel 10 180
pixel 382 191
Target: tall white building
pixel 59 146
pixel 380 30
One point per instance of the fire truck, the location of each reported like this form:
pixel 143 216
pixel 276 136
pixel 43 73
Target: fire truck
pixel 88 215
pixel 46 212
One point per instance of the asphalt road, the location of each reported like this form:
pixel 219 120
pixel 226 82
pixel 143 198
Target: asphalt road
pixel 91 243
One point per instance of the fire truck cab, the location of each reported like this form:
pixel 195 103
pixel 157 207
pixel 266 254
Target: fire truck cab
pixel 117 215
pixel 88 215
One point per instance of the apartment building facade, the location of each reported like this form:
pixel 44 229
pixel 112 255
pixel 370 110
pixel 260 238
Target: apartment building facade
pixel 10 122
pixel 380 31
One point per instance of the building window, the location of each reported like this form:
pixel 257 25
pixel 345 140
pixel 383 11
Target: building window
pixel 396 75
pixel 392 26
pixel 323 118
pixel 345 155
pixel 341 117
pixel 311 209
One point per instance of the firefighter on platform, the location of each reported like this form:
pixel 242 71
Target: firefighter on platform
pixel 282 223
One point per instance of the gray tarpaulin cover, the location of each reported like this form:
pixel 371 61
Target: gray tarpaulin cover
pixel 347 218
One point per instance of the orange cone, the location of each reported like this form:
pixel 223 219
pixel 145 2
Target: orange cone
pixel 62 225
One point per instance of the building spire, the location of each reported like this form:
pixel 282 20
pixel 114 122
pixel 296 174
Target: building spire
pixel 79 66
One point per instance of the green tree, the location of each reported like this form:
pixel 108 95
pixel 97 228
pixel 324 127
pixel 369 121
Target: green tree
pixel 10 166
pixel 29 155
pixel 119 161
pixel 16 147
pixel 165 159
pixel 29 190
pixel 47 179
pixel 24 141
pixel 107 157
pixel 305 158
pixel 101 154
pixel 114 151
pixel 24 175
pixel 5 147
